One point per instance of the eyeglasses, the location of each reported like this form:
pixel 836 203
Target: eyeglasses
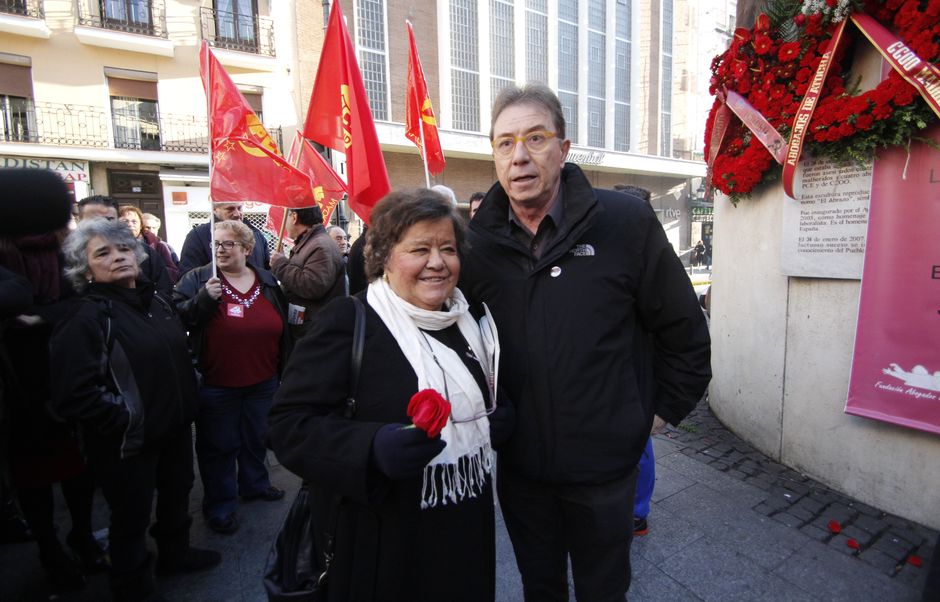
pixel 228 245
pixel 534 142
pixel 454 419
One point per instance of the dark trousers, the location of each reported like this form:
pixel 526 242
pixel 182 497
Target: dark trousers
pixel 230 428
pixel 128 485
pixel 591 523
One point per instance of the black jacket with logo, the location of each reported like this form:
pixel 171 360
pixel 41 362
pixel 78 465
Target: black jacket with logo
pixel 571 325
pixel 120 366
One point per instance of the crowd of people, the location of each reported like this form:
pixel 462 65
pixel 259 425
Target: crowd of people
pixel 558 324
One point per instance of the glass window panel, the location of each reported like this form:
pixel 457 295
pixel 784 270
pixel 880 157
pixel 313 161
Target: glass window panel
pixel 623 19
pixel 463 35
pixel 597 14
pixel 501 39
pixel 596 116
pixel 536 47
pixel 667 26
pixel 567 56
pixel 466 98
pixel 621 127
pixel 19 119
pixel 597 64
pixel 568 10
pixel 622 72
pixel 370 24
pixel 136 123
pixel 539 5
pixel 569 106
pixel 373 78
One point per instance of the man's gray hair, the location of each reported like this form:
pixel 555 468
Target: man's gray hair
pixel 537 94
pixel 75 248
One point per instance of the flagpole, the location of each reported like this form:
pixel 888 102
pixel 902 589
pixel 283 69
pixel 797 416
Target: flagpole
pixel 209 127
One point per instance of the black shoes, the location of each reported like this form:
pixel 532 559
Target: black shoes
pixel 226 525
pixel 63 572
pixel 640 527
pixel 93 557
pixel 190 561
pixel 271 494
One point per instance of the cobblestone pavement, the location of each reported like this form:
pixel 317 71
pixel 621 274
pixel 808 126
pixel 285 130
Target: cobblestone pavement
pixel 727 523
pixel 889 544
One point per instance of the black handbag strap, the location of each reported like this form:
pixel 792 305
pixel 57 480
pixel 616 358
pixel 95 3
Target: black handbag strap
pixel 355 367
pixel 355 360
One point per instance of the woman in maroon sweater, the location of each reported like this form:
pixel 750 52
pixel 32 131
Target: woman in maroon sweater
pixel 237 323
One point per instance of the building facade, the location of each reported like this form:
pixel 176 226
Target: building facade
pixel 108 93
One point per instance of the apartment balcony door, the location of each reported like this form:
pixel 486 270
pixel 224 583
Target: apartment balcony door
pixel 237 24
pixel 127 15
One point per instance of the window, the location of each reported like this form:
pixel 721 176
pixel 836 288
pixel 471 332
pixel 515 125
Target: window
pixel 569 107
pixel 502 67
pixel 465 70
pixel 235 24
pixel 536 46
pixel 622 73
pixel 129 15
pixel 370 36
pixel 568 65
pixel 596 120
pixel 135 114
pixel 16 104
pixel 597 14
pixel 665 136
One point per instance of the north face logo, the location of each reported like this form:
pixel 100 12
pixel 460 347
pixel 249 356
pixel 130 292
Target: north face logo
pixel 582 251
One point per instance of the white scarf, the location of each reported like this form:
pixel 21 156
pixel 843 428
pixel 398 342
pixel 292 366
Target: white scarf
pixel 463 465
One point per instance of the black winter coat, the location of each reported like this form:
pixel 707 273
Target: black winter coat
pixel 121 367
pixel 197 308
pixel 387 547
pixel 571 328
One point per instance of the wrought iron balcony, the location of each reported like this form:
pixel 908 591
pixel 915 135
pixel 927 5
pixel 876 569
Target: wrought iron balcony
pixel 90 126
pixel 24 8
pixel 236 31
pixel 145 17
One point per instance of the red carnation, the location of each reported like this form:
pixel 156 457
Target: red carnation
pixel 852 544
pixel 799 19
pixel 835 527
pixel 429 411
pixel 789 52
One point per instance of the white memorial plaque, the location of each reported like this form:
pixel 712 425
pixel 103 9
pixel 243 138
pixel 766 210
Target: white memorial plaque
pixel 824 232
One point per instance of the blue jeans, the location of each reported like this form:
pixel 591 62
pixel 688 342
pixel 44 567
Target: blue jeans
pixel 645 481
pixel 230 428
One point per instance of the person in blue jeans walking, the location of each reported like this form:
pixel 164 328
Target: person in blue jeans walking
pixel 237 324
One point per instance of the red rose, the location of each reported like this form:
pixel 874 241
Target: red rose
pixel 429 411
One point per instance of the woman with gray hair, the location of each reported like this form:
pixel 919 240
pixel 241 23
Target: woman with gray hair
pixel 121 369
pixel 416 521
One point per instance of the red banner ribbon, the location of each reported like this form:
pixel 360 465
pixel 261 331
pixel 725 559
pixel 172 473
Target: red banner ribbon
pixel 719 128
pixel 919 73
pixel 805 113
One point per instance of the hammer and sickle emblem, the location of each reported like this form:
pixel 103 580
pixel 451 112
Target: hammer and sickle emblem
pixel 427 113
pixel 259 135
pixel 347 116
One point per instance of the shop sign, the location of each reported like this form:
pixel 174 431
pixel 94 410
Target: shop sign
pixel 69 170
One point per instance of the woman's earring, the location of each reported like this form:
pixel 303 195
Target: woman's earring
pixel 385 277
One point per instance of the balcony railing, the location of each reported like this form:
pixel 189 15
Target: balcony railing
pixel 90 126
pixel 145 17
pixel 235 31
pixel 24 8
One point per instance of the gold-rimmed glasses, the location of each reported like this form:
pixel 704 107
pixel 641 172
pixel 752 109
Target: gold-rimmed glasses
pixel 535 142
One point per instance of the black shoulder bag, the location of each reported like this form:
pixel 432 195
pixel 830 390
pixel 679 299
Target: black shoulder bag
pixel 295 571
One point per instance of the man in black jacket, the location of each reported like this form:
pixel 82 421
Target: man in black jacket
pixel 195 251
pixel 570 274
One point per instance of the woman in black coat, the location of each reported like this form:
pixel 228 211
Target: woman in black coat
pixel 121 368
pixel 416 520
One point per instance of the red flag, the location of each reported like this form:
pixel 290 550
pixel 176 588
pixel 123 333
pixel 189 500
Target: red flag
pixel 274 221
pixel 419 113
pixel 246 164
pixel 339 117
pixel 328 188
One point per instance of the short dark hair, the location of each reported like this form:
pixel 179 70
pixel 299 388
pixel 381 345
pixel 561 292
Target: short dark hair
pixel 398 211
pixel 636 191
pixel 477 196
pixel 97 199
pixel 537 94
pixel 308 216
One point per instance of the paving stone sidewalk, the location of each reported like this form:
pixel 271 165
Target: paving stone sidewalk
pixel 727 524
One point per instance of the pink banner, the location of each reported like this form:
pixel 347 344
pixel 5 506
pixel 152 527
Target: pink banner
pixel 896 366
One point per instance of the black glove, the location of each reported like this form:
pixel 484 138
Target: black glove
pixel 502 421
pixel 399 452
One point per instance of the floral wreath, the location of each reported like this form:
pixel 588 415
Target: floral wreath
pixel 772 65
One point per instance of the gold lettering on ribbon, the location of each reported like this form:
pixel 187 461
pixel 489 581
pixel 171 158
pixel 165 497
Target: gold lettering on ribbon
pixel 806 110
pixel 347 116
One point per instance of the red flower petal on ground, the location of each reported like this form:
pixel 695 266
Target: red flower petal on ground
pixel 835 527
pixel 852 544
pixel 914 560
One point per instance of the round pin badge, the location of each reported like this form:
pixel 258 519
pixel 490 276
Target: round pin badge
pixel 556 272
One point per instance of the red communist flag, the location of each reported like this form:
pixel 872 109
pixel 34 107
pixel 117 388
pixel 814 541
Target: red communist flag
pixel 246 164
pixel 419 114
pixel 328 188
pixel 339 117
